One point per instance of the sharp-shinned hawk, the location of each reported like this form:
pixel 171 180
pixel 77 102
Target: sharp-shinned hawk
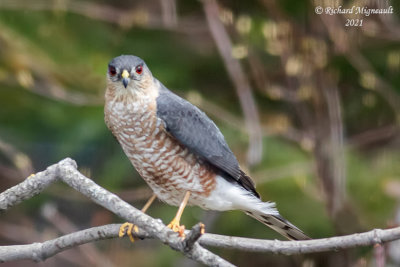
pixel 178 150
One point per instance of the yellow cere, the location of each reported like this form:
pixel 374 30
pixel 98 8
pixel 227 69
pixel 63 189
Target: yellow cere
pixel 125 74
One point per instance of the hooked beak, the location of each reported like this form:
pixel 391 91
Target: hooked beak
pixel 125 78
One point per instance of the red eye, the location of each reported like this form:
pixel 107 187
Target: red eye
pixel 139 69
pixel 112 70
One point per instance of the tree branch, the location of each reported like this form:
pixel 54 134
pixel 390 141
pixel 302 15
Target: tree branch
pixel 42 251
pixel 47 249
pixel 66 171
pixel 376 236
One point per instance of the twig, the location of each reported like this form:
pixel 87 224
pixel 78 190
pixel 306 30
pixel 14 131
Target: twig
pixel 374 135
pixel 20 160
pixel 336 144
pixel 169 13
pixel 194 235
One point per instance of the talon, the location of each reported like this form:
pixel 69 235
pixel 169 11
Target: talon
pixel 128 229
pixel 122 229
pixel 132 228
pixel 174 224
pixel 180 229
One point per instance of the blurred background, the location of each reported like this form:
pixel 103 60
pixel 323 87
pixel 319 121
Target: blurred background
pixel 310 107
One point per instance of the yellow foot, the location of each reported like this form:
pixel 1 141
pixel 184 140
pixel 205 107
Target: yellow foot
pixel 128 228
pixel 180 229
pixel 30 176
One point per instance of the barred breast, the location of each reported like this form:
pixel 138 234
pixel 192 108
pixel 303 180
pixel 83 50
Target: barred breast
pixel 169 168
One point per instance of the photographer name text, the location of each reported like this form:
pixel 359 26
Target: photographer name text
pixel 366 11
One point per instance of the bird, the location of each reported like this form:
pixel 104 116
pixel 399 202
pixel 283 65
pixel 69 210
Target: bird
pixel 178 150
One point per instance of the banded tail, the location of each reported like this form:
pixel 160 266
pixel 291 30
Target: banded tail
pixel 279 224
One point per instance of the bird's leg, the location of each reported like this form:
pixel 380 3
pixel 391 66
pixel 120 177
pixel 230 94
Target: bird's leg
pixel 128 228
pixel 174 224
pixel 148 203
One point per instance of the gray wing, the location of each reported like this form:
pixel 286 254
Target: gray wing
pixel 192 128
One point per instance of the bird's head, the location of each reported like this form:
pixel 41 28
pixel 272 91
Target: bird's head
pixel 127 73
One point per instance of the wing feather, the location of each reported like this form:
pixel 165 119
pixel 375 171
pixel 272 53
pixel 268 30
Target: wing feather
pixel 192 128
